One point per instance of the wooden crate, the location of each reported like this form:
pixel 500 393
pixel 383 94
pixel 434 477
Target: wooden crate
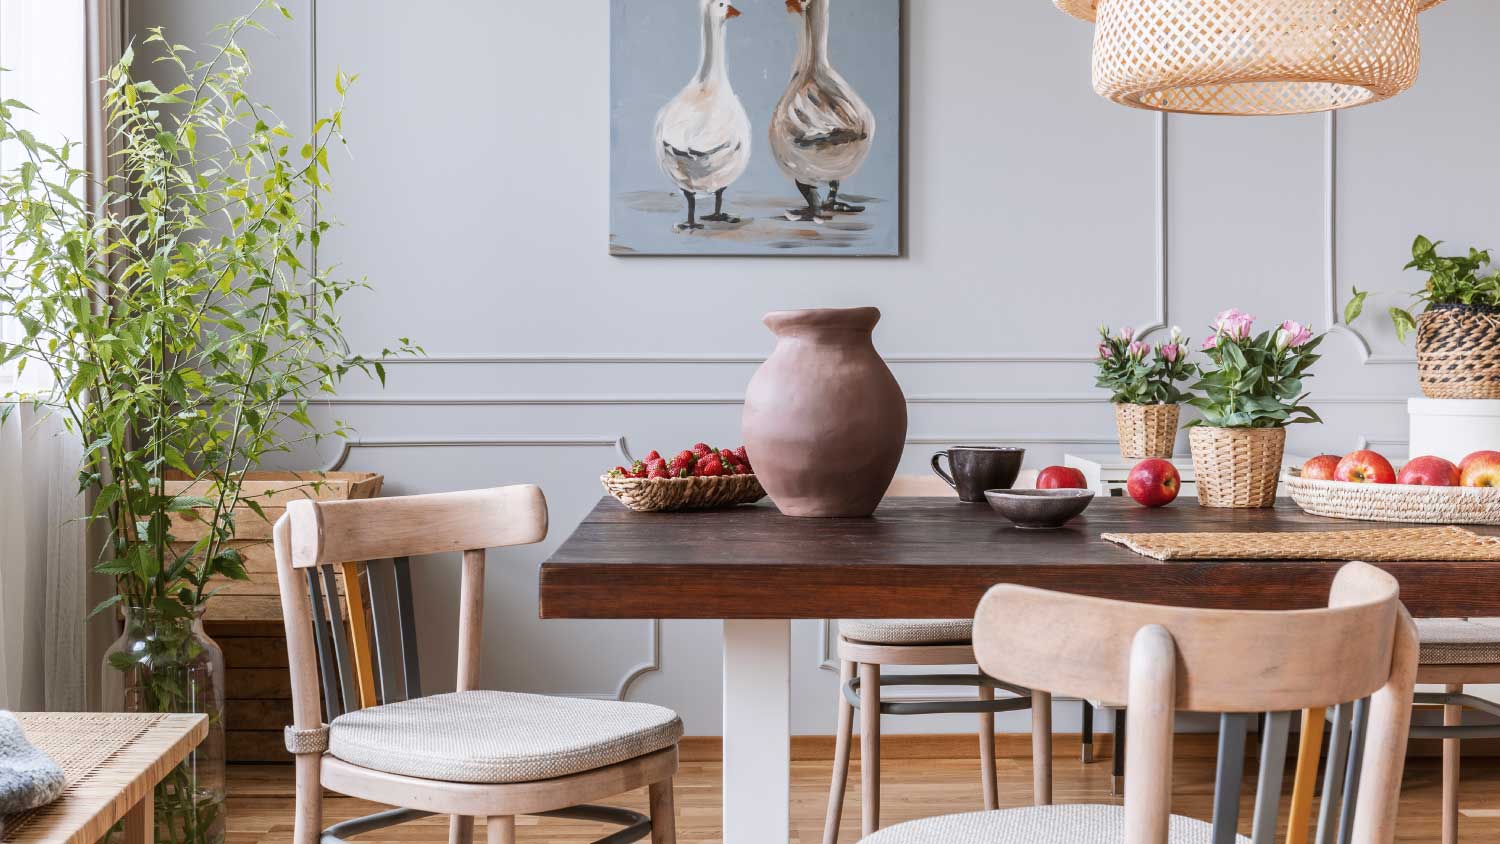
pixel 245 618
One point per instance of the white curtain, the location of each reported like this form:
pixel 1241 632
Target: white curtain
pixel 43 565
pixel 52 49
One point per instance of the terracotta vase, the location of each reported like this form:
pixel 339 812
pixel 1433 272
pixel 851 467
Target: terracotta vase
pixel 825 420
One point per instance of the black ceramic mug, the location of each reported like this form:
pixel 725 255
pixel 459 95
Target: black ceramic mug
pixel 976 468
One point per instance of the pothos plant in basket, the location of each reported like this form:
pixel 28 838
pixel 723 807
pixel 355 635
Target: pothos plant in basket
pixel 183 331
pixel 1251 391
pixel 1458 326
pixel 1142 380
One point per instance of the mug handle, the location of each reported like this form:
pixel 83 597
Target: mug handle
pixel 947 478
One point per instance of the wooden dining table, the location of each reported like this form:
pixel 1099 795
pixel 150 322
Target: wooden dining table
pixel 915 558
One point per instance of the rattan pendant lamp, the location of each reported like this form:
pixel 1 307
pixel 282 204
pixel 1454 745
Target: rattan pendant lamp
pixel 1248 57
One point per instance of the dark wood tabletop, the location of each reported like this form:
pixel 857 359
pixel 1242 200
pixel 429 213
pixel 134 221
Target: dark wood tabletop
pixel 935 557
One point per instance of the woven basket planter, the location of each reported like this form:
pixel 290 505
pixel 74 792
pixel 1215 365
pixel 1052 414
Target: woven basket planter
pixel 1237 467
pixel 1146 430
pixel 1458 352
pixel 649 495
pixel 1396 502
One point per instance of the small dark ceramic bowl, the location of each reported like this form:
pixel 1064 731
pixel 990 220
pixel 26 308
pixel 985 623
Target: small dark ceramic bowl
pixel 1039 509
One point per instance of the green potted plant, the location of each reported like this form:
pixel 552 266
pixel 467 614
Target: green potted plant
pixel 1142 381
pixel 1458 326
pixel 184 334
pixel 1250 393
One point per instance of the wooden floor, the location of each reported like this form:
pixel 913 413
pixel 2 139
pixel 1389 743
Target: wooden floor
pixel 260 802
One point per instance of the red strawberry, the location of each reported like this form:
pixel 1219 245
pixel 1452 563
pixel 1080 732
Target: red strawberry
pixel 619 472
pixel 682 465
pixel 709 467
pixel 743 459
pixel 702 450
pixel 652 457
pixel 730 466
pixel 658 469
pixel 638 469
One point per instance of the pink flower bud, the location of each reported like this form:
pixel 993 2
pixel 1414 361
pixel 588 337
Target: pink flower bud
pixel 1292 334
pixel 1169 352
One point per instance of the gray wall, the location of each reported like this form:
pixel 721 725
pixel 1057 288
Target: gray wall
pixel 475 200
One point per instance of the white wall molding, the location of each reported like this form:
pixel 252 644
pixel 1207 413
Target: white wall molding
pixel 1333 315
pixel 474 441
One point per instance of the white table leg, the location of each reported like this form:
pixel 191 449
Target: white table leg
pixel 757 732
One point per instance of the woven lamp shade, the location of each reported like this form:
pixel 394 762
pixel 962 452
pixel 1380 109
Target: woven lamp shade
pixel 1249 57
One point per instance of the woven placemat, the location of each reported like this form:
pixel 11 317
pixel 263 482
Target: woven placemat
pixel 1377 545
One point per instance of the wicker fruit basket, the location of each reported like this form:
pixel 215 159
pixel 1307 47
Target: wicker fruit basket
pixel 1458 352
pixel 650 495
pixel 1146 430
pixel 1396 502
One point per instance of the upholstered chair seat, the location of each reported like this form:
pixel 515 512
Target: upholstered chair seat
pixel 1459 641
pixel 908 631
pixel 1069 824
pixel 500 737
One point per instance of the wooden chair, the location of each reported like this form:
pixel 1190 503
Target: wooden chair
pixel 865 645
pixel 1162 660
pixel 1454 652
pixel 469 754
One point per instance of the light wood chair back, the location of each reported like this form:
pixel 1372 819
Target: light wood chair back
pixel 1359 654
pixel 371 659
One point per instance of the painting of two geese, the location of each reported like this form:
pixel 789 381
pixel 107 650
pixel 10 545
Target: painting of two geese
pixel 755 127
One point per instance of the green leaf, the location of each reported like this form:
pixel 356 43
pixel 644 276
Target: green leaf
pixel 1404 323
pixel 1356 306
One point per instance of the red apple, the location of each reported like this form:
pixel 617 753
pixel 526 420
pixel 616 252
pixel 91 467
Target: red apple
pixel 1482 468
pixel 1320 468
pixel 1428 471
pixel 1153 483
pixel 1364 467
pixel 1478 455
pixel 1061 477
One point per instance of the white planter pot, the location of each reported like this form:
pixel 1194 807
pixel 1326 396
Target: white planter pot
pixel 1453 428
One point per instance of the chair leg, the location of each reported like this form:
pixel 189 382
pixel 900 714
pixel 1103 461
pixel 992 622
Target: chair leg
pixel 987 779
pixel 1041 747
pixel 502 830
pixel 1304 781
pixel 308 826
pixel 1117 778
pixel 1087 754
pixel 869 747
pixel 663 813
pixel 1452 716
pixel 460 830
pixel 841 740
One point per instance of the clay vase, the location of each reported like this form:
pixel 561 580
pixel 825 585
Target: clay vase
pixel 825 420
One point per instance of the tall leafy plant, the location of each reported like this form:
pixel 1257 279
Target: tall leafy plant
pixel 179 318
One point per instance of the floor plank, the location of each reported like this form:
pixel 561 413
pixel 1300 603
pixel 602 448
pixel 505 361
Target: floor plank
pixel 260 803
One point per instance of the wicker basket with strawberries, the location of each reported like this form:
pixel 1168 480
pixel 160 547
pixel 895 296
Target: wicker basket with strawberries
pixel 699 478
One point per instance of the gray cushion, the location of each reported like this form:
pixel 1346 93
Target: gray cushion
pixel 908 631
pixel 1459 641
pixel 497 737
pixel 1071 824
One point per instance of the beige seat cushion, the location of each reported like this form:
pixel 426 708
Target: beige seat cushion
pixel 908 631
pixel 1071 824
pixel 498 737
pixel 1459 641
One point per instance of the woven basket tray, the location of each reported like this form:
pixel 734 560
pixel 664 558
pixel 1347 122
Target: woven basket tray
pixel 1396 502
pixel 649 495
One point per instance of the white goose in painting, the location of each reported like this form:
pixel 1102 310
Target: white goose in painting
pixel 703 134
pixel 821 130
